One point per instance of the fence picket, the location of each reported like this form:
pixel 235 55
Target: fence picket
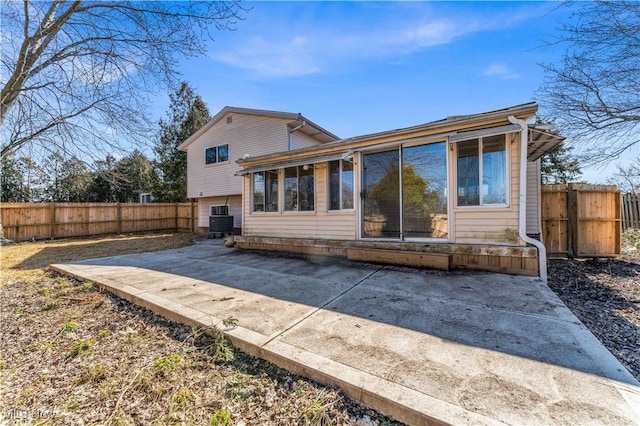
pixel 630 211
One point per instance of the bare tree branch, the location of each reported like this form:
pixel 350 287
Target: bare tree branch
pixel 79 73
pixel 593 96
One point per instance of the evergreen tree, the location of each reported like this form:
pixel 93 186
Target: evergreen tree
pixel 102 188
pixel 187 113
pixel 134 174
pixel 67 180
pixel 12 181
pixel 75 181
pixel 560 166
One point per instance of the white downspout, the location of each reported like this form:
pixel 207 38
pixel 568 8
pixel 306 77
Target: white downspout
pixel 522 222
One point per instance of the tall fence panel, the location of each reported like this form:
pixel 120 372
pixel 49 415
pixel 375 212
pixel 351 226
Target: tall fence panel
pixel 582 220
pixel 598 221
pixel 631 211
pixel 555 221
pixel 26 221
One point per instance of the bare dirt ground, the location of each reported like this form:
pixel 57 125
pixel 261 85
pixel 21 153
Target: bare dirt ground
pixel 605 295
pixel 73 354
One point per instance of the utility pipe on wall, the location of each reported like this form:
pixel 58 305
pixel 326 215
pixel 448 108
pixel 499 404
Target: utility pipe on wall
pixel 293 130
pixel 522 222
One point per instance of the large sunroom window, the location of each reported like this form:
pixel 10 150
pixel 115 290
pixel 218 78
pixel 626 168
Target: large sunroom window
pixel 340 185
pixel 299 191
pixel 265 191
pixel 482 171
pixel 405 192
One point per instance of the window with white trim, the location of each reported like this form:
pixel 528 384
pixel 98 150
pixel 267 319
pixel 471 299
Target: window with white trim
pixel 216 154
pixel 340 185
pixel 482 171
pixel 265 191
pixel 299 188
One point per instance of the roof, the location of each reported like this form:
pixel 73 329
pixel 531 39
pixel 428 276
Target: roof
pixel 541 141
pixel 447 125
pixel 309 128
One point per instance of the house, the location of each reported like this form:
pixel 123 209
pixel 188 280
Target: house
pixel 239 133
pixel 462 192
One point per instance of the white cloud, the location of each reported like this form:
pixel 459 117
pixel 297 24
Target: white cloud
pixel 319 51
pixel 281 51
pixel 437 32
pixel 292 57
pixel 501 71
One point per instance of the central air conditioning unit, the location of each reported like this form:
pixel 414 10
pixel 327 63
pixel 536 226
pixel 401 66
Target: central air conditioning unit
pixel 220 222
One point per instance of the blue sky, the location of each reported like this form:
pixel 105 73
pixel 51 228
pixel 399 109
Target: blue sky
pixel 363 67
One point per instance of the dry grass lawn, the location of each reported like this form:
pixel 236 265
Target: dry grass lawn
pixel 28 260
pixel 75 355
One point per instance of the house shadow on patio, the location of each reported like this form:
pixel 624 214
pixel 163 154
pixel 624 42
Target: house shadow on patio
pixel 514 315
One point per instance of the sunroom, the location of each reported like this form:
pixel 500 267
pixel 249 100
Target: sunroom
pixel 446 194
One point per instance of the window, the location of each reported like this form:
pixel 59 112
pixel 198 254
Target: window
pixel 482 171
pixel 299 188
pixel 265 191
pixel 340 185
pixel 211 155
pixel 216 154
pixel 145 197
pixel 223 153
pixel 219 210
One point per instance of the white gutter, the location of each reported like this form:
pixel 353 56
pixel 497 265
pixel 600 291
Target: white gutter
pixel 304 123
pixel 522 222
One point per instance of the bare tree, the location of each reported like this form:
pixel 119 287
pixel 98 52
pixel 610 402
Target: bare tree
pixel 627 178
pixel 594 94
pixel 77 75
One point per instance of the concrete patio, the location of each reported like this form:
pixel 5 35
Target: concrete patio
pixel 425 347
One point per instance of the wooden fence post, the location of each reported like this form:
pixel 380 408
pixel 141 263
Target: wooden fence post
pixel 87 222
pixel 119 218
pixel 572 225
pixel 52 215
pixel 193 217
pixel 176 216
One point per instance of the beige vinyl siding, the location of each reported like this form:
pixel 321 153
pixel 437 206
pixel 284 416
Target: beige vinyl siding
pixel 300 140
pixel 494 225
pixel 246 135
pixel 235 209
pixel 318 224
pixel 533 197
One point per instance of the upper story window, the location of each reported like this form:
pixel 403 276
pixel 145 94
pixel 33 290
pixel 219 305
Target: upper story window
pixel 482 171
pixel 299 188
pixel 265 191
pixel 216 154
pixel 340 185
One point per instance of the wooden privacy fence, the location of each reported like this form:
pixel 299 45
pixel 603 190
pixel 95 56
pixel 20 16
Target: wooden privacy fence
pixel 631 211
pixel 581 220
pixel 25 221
